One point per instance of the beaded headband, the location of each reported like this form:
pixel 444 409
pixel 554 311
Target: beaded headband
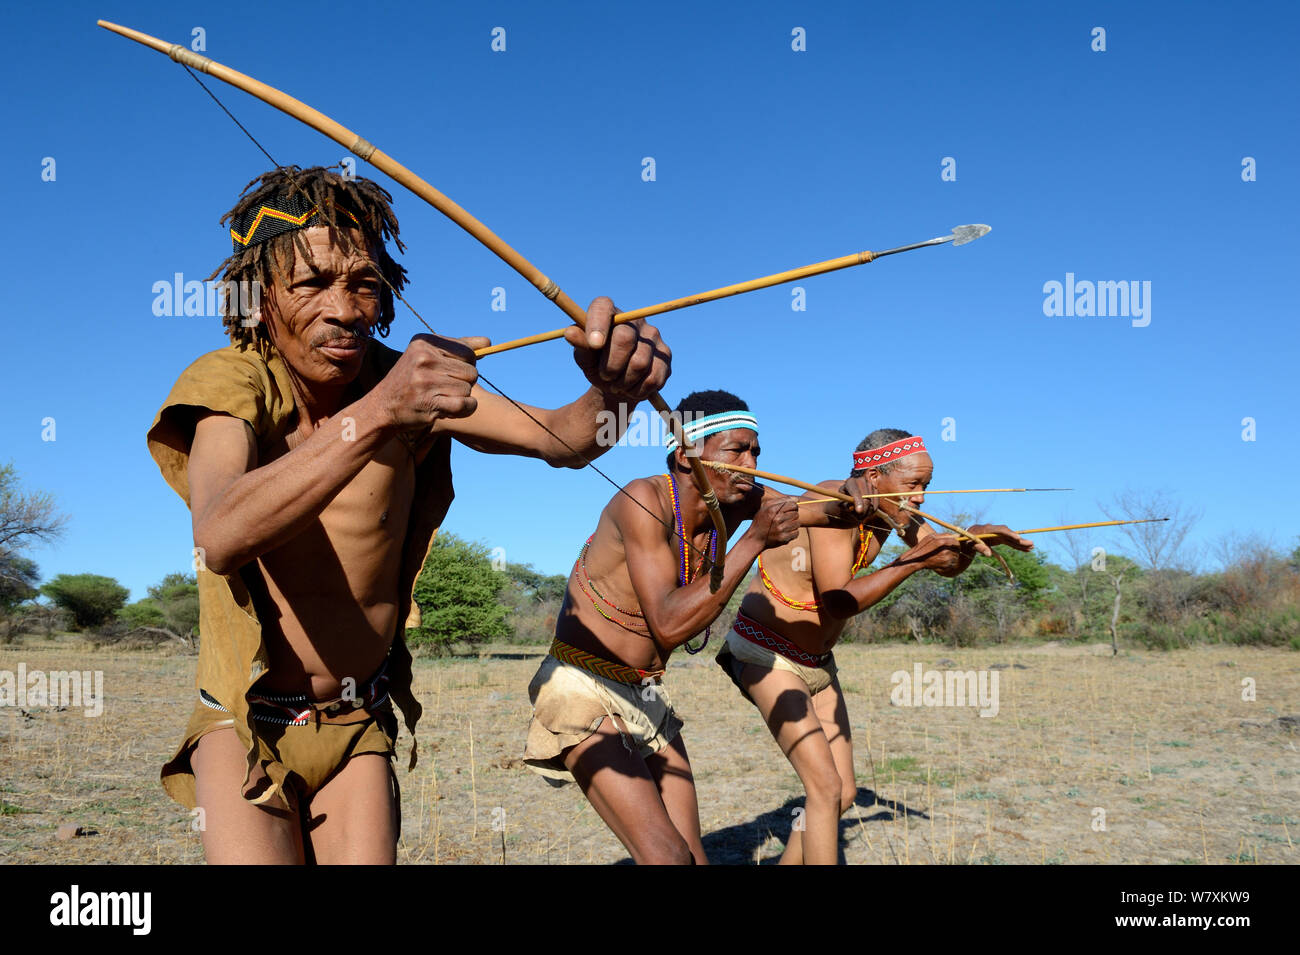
pixel 712 424
pixel 889 452
pixel 275 217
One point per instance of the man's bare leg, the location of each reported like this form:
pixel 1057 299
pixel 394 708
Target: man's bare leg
pixel 235 831
pixel 622 790
pixel 354 816
pixel 787 708
pixel 671 769
pixel 834 715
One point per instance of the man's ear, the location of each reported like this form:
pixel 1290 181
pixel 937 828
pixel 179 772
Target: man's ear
pixel 270 312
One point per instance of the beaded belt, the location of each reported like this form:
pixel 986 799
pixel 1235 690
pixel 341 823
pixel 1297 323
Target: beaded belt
pixel 756 633
pixel 610 670
pixel 299 710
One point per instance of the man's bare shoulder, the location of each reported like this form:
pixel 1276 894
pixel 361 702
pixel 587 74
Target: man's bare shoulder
pixel 648 492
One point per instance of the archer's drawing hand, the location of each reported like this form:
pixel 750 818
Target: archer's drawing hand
pixel 860 489
pixel 777 520
pixel 627 361
pixel 945 554
pixel 431 380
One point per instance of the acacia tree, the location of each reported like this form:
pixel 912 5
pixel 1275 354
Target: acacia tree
pixel 25 519
pixel 90 598
pixel 18 579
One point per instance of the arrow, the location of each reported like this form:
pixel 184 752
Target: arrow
pixel 961 235
pixel 1075 527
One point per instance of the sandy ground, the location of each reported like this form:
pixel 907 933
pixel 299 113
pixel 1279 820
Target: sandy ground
pixel 1159 748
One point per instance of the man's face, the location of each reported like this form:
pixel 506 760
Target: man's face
pixel 910 475
pixel 320 320
pixel 737 446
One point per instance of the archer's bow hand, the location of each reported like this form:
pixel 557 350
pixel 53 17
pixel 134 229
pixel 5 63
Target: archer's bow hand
pixel 1003 535
pixel 628 361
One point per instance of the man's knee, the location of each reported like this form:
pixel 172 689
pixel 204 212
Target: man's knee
pixel 825 787
pixel 664 849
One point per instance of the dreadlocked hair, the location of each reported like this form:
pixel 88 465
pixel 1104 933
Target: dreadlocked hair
pixel 273 260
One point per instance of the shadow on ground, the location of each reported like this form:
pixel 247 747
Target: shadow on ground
pixel 739 844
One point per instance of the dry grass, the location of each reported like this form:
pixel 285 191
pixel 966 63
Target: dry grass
pixel 1184 769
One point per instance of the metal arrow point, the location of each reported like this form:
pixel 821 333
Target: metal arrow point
pixel 960 236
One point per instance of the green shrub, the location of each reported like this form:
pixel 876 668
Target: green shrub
pixel 457 593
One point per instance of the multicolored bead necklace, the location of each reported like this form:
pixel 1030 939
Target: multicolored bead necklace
pixel 588 586
pixel 684 560
pixel 684 576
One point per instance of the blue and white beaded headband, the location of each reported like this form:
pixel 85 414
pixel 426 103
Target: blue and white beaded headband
pixel 712 424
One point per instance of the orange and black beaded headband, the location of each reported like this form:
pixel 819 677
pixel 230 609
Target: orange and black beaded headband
pixel 886 453
pixel 281 214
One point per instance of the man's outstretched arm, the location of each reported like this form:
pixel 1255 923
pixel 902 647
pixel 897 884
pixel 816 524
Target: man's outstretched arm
pixel 942 553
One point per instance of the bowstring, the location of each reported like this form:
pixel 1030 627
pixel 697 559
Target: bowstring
pixel 483 378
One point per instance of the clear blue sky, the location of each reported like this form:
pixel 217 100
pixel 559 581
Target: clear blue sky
pixel 1122 165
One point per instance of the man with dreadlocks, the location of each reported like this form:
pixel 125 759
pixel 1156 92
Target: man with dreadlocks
pixel 778 652
pixel 639 590
pixel 316 465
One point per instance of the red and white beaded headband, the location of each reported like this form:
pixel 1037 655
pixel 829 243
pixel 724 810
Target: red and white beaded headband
pixel 889 452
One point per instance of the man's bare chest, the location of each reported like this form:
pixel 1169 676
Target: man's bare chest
pixel 365 521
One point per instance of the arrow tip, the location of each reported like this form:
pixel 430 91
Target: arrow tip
pixel 969 233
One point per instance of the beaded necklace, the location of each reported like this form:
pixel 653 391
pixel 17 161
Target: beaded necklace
pixel 585 582
pixel 684 560
pixel 588 585
pixel 811 605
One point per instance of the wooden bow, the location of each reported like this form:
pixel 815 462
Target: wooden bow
pixel 391 167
